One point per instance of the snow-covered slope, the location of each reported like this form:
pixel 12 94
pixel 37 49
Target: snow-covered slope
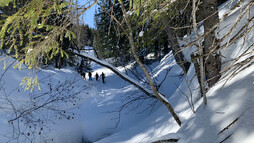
pixel 228 115
pixel 92 113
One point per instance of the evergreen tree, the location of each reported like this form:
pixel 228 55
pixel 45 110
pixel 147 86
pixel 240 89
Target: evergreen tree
pixel 156 16
pixel 85 33
pixel 109 40
pixel 23 39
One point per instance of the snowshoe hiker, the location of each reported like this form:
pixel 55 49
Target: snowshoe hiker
pixel 84 76
pixel 90 76
pixel 96 76
pixel 103 77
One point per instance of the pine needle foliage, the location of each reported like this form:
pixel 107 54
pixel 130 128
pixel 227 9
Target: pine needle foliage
pixel 6 2
pixel 25 22
pixel 22 33
pixel 177 13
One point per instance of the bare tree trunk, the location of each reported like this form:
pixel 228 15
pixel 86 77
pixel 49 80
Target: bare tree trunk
pixel 212 59
pixel 78 30
pixel 201 53
pixel 161 98
pixel 58 61
pixel 173 42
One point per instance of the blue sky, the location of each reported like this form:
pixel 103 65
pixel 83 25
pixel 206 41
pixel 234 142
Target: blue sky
pixel 89 14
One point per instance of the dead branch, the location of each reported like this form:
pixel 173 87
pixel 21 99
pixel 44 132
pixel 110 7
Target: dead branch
pixel 166 141
pixel 228 126
pixel 226 138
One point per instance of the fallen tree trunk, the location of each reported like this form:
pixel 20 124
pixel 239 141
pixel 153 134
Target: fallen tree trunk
pixel 151 93
pixel 117 72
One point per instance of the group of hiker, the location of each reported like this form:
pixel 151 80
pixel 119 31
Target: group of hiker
pixel 96 76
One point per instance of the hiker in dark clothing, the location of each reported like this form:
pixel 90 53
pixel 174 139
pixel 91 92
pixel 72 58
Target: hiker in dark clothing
pixel 84 75
pixel 90 76
pixel 96 76
pixel 103 77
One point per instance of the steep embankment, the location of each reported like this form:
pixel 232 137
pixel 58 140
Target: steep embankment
pixel 228 115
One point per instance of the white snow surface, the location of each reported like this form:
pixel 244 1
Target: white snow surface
pixel 141 34
pixel 94 104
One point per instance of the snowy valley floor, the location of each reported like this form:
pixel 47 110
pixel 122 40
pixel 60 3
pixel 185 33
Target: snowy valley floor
pixel 95 120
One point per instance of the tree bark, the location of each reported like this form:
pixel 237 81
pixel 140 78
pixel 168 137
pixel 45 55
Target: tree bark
pixel 173 42
pixel 159 97
pixel 212 59
pixel 201 67
pixel 150 81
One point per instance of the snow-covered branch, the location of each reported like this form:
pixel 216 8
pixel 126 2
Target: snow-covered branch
pixel 117 72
